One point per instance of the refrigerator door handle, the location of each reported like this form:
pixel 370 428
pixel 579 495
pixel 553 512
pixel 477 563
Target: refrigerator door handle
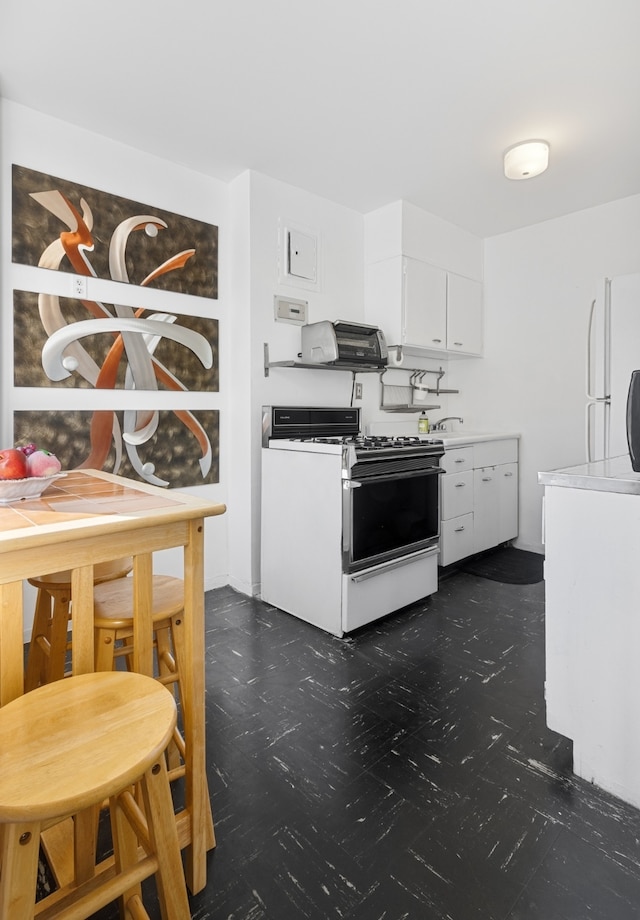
pixel 587 445
pixel 592 313
pixel 592 399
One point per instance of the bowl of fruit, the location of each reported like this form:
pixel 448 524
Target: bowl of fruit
pixel 25 472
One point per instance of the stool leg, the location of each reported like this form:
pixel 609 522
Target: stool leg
pixel 172 891
pixel 104 649
pixel 59 630
pixel 85 841
pixel 39 646
pixel 169 674
pixel 20 848
pixel 125 849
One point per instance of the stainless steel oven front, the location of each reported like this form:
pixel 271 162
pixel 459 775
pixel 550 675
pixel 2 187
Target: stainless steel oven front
pixel 390 507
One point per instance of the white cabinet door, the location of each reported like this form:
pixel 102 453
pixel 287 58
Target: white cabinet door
pixel 425 305
pixel 507 501
pixel 464 315
pixel 456 539
pixel 485 509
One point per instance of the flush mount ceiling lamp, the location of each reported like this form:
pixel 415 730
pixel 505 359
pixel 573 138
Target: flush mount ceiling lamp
pixel 526 160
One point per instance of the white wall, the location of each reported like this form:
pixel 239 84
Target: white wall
pixel 262 207
pixel 38 142
pixel 538 285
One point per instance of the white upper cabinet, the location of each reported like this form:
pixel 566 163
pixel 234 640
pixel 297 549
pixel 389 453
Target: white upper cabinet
pixel 464 315
pixel 425 305
pixel 421 306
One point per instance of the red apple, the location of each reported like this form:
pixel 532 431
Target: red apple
pixel 42 463
pixel 13 464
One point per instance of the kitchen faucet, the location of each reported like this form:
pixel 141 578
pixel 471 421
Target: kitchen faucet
pixel 440 426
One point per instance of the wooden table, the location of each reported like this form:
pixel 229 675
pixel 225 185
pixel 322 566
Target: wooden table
pixel 89 517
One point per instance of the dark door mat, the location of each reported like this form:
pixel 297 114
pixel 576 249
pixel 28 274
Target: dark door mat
pixel 508 565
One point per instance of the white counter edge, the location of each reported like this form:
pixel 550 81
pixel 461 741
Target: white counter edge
pixel 613 475
pixel 464 439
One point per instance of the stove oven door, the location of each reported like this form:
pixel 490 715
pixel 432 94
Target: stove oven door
pixel 388 516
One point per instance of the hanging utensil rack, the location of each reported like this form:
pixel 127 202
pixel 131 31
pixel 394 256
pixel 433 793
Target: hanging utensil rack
pixel 401 398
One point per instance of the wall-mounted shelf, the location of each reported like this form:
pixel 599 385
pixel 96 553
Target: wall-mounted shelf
pixel 392 398
pixel 352 368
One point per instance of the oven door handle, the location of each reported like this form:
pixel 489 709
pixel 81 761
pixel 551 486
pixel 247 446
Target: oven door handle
pixel 391 565
pixel 389 477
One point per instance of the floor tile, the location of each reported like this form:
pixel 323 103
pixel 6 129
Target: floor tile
pixel 576 880
pixel 472 862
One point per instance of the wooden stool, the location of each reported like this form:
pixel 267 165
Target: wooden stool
pixel 113 623
pixel 64 748
pixel 48 646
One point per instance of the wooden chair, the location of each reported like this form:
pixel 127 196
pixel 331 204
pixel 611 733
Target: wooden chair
pixel 114 730
pixel 47 654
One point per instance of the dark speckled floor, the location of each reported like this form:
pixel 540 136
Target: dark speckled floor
pixel 404 772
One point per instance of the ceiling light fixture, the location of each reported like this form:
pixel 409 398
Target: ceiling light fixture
pixel 525 160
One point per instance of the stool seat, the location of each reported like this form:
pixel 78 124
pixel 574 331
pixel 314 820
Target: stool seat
pixel 113 601
pixel 109 732
pixel 102 571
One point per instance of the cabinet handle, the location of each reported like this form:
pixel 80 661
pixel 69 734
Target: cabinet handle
pixel 458 461
pixel 458 529
pixel 460 485
pixel 459 344
pixel 487 478
pixel 436 340
pixel 508 474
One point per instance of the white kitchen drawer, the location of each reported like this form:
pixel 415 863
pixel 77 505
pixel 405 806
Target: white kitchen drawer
pixel 376 592
pixel 492 453
pixel 457 494
pixel 456 539
pixel 457 460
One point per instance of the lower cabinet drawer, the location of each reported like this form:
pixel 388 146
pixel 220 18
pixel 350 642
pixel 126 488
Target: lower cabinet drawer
pixel 457 494
pixel 456 539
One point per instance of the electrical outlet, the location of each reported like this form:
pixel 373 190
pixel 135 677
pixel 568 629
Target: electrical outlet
pixel 358 394
pixel 79 286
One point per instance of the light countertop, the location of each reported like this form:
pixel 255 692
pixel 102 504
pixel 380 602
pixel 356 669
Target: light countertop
pixel 613 475
pixel 450 438
pixel 464 438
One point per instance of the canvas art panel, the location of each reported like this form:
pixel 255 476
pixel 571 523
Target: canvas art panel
pixel 64 226
pixel 171 448
pixel 44 324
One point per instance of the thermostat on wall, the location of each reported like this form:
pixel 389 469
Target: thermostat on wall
pixel 288 310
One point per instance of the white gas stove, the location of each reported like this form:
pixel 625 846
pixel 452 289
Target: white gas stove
pixel 350 523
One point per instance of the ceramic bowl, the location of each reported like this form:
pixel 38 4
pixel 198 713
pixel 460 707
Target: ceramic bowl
pixel 16 490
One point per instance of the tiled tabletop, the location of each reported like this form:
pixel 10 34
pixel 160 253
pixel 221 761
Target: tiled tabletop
pixel 78 495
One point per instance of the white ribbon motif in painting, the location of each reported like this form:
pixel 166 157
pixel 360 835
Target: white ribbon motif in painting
pixel 63 353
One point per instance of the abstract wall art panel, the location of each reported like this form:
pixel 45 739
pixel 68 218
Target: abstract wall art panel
pixel 61 341
pixel 176 448
pixel 64 226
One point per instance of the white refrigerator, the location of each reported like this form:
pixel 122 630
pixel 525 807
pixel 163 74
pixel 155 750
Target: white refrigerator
pixel 613 352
